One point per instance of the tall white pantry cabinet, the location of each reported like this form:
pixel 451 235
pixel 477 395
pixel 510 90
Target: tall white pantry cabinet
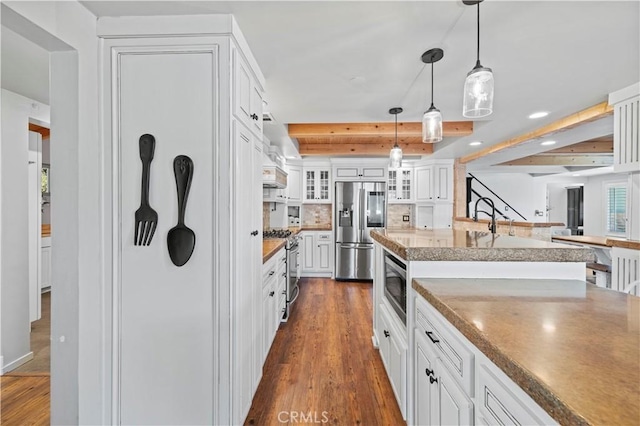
pixel 183 342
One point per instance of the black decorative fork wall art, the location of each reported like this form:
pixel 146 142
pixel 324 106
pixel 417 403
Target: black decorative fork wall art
pixel 146 218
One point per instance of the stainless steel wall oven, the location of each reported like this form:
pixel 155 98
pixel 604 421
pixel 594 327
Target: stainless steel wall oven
pixel 395 285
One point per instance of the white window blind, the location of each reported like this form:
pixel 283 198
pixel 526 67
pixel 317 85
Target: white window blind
pixel 616 208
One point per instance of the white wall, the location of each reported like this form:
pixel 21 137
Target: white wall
pixel 14 275
pixel 517 189
pixel 595 202
pixel 78 372
pixel 25 67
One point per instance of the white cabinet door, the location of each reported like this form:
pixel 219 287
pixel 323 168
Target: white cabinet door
pixel 323 251
pixel 247 99
pixel 400 186
pixel 308 252
pixel 443 183
pixel 353 173
pixel 426 389
pixel 294 184
pixel 455 407
pixel 317 185
pixel 424 183
pixel 179 323
pixel 393 351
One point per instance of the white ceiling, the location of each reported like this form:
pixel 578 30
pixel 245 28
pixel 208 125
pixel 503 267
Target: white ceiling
pixel 342 61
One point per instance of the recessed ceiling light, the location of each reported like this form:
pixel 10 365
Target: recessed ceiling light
pixel 538 114
pixel 475 143
pixel 546 143
pixel 576 174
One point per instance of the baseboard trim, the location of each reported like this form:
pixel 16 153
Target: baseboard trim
pixel 17 363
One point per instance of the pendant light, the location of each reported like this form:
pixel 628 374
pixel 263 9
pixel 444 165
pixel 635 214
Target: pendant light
pixel 478 86
pixel 395 157
pixel 432 119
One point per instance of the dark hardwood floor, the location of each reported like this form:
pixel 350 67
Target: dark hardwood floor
pixel 322 367
pixel 25 399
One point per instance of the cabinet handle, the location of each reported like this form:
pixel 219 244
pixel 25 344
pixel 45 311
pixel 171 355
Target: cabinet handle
pixel 429 372
pixel 429 333
pixel 284 274
pixel 284 291
pixel 272 272
pixel 433 380
pixel 386 333
pixel 271 293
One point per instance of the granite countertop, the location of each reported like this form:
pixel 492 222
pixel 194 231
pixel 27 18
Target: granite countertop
pixel 462 245
pixel 271 247
pixel 514 223
pixel 573 347
pixel 599 241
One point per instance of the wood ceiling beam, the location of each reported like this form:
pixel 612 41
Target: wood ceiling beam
pixel 585 116
pixel 449 128
pixel 596 146
pixel 39 129
pixel 561 160
pixel 373 148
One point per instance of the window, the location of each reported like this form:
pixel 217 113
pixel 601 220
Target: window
pixel 616 213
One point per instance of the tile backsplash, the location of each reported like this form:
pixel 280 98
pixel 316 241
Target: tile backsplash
pixel 395 212
pixel 316 214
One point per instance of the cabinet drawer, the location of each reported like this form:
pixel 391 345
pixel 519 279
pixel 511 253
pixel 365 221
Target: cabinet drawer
pixel 269 270
pixel 456 357
pixel 498 405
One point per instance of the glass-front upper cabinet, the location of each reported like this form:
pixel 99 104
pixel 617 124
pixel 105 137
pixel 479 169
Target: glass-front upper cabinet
pixel 400 186
pixel 317 185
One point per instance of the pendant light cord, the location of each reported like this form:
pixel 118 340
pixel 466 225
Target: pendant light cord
pixel 396 145
pixel 478 27
pixel 431 86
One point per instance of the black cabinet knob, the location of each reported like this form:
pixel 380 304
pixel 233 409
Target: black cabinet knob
pixel 272 272
pixel 386 333
pixel 433 380
pixel 271 293
pixel 429 372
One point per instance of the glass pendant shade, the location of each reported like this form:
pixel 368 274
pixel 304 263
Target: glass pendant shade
pixel 395 157
pixel 478 93
pixel 432 126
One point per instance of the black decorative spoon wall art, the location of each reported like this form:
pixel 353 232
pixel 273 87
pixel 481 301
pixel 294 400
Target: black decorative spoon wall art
pixel 181 240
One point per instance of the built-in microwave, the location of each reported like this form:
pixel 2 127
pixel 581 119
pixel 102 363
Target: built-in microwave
pixel 395 285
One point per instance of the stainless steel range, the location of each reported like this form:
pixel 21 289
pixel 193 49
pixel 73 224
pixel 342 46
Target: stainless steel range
pixel 292 264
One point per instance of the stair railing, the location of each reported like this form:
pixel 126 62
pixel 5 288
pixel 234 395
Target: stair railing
pixel 471 190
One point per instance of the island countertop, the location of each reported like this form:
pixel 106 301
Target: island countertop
pixel 571 346
pixel 461 245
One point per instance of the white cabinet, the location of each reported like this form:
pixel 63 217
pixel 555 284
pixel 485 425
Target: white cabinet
pixel 247 99
pixel 456 384
pixel 269 303
pixel 434 183
pixel 393 351
pixel 316 185
pixel 316 253
pixel 45 263
pixel 294 184
pixel 626 125
pixel 186 81
pixel 354 173
pixel 400 186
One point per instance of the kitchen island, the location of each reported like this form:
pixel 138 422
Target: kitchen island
pixel 572 347
pixel 399 327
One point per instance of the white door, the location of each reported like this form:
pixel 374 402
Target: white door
pixel 165 313
pixel 35 197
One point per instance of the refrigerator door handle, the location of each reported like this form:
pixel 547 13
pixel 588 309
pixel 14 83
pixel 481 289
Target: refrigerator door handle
pixel 362 211
pixel 356 246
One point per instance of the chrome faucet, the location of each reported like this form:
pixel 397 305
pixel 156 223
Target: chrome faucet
pixel 492 225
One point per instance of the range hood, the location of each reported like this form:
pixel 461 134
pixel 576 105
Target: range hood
pixel 273 176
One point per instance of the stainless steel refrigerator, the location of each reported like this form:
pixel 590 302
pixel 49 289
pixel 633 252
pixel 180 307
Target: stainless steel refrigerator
pixel 359 208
